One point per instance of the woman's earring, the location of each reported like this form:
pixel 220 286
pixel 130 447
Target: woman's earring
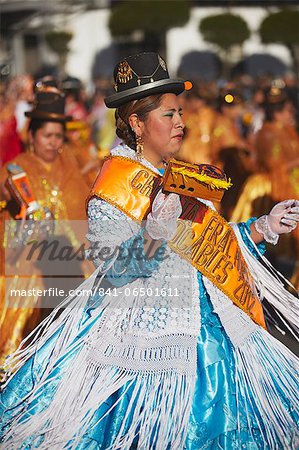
pixel 139 147
pixel 30 147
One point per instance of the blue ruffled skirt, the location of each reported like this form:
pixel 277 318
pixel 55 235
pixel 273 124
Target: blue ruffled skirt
pixel 213 419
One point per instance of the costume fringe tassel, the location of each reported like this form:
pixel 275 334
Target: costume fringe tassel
pixel 270 284
pixel 265 374
pixel 157 412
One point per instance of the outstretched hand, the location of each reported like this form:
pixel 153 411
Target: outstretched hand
pixel 283 218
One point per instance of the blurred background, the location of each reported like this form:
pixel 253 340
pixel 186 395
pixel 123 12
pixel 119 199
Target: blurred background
pixel 85 38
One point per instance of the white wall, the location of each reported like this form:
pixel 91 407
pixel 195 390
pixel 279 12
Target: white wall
pixel 185 39
pixel 91 34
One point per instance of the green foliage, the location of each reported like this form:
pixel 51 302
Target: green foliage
pixel 224 30
pixel 281 27
pixel 58 41
pixel 150 16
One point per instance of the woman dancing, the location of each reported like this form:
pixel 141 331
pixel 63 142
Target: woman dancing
pixel 165 346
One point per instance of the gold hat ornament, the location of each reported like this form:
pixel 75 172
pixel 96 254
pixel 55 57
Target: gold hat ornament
pixel 138 76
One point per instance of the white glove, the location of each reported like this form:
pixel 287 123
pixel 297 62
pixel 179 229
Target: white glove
pixel 283 218
pixel 161 222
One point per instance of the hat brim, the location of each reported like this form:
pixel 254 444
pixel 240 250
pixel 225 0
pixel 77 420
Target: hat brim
pixel 167 86
pixel 73 125
pixel 51 117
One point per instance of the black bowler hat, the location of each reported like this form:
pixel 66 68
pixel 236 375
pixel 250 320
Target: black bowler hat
pixel 49 105
pixel 71 84
pixel 140 75
pixel 275 96
pixel 46 81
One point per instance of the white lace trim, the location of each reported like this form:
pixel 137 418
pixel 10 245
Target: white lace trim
pixel 161 304
pixel 262 227
pixel 139 354
pixel 125 150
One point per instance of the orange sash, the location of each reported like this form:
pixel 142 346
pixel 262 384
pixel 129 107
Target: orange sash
pixel 203 237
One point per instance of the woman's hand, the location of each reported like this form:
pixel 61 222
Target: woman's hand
pixel 161 222
pixel 283 218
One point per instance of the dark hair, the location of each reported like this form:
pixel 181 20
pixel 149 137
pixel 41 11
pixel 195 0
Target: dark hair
pixel 37 124
pixel 140 107
pixel 272 108
pixel 75 93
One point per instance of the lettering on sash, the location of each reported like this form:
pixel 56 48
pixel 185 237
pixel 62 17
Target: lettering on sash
pixel 213 252
pixel 244 295
pixel 146 183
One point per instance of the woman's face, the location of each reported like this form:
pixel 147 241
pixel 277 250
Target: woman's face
pixel 48 140
pixel 233 111
pixel 286 115
pixel 162 132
